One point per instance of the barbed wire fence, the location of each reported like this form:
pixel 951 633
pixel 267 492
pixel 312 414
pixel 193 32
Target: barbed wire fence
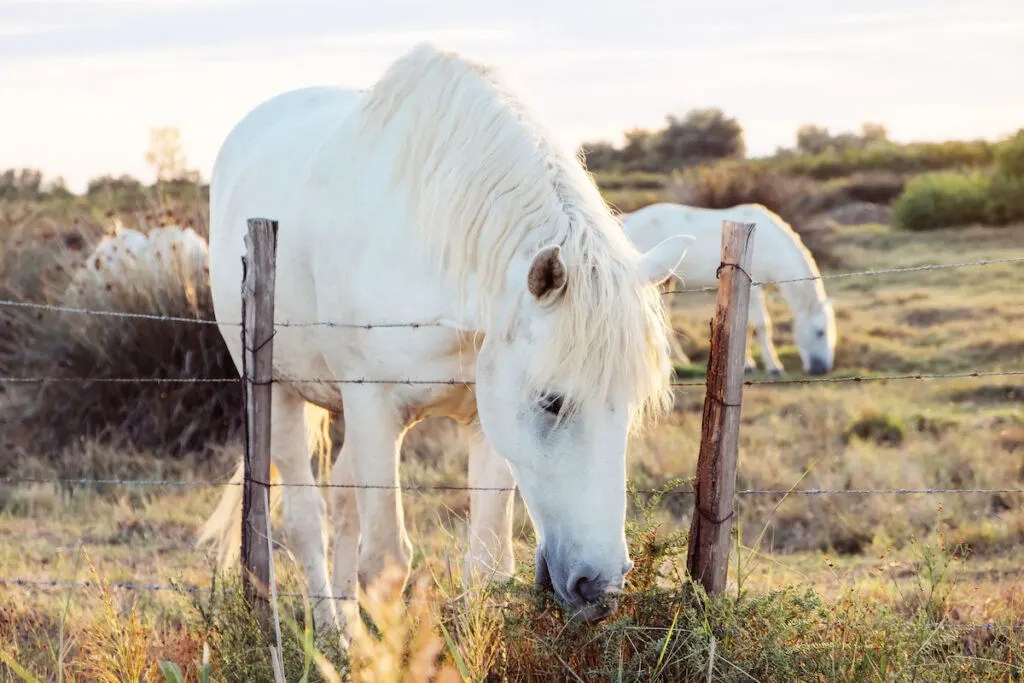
pixel 725 378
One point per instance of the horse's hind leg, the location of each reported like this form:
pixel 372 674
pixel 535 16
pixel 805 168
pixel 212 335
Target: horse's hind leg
pixel 304 509
pixel 763 328
pixel 749 365
pixel 490 512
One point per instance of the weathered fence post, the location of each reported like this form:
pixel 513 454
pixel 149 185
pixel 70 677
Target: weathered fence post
pixel 258 271
pixel 708 552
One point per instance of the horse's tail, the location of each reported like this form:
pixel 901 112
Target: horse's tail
pixel 223 529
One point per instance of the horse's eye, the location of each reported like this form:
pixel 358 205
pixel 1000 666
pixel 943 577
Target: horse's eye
pixel 821 334
pixel 552 403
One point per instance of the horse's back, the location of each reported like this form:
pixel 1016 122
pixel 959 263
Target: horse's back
pixel 263 169
pixel 266 153
pixel 653 223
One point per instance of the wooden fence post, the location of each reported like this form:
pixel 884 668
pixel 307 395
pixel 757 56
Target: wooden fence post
pixel 258 271
pixel 708 552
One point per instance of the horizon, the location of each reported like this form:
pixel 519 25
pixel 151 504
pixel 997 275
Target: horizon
pixel 88 87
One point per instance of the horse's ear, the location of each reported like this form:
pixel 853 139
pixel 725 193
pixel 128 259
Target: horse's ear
pixel 661 261
pixel 547 276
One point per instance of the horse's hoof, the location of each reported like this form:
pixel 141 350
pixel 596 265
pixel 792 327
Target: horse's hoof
pixel 776 373
pixel 749 370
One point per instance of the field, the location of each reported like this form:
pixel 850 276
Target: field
pixel 833 586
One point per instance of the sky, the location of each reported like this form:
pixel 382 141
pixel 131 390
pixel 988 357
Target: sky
pixel 82 82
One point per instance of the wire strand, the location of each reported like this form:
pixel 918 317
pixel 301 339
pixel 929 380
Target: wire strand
pixel 425 324
pixel 662 490
pixel 859 273
pixel 459 382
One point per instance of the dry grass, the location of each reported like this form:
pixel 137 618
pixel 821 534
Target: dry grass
pixel 828 587
pixel 45 419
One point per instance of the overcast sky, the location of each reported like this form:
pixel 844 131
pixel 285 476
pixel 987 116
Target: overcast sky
pixel 83 81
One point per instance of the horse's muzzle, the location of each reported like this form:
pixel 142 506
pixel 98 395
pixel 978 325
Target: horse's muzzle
pixel 583 590
pixel 817 366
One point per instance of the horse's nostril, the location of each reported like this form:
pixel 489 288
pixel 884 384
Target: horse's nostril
pixel 817 367
pixel 587 587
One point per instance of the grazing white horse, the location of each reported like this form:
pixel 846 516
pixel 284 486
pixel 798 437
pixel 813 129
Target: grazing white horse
pixel 435 198
pixel 166 254
pixel 779 254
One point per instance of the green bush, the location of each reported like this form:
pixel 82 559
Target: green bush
pixel 888 156
pixel 942 199
pixel 1010 155
pixel 1005 201
pixel 629 181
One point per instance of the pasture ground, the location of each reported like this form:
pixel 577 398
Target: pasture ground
pixel 823 587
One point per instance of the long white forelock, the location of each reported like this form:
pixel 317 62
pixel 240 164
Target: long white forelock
pixel 485 182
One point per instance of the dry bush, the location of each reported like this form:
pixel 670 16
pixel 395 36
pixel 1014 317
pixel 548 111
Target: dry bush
pixel 795 200
pixel 875 187
pixel 171 418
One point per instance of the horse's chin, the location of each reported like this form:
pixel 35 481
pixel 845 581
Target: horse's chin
pixel 596 611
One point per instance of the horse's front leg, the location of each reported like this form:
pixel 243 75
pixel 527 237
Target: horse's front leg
pixel 372 440
pixel 345 514
pixel 304 509
pixel 491 557
pixel 763 328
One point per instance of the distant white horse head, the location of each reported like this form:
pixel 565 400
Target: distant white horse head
pixel 779 255
pixel 814 331
pixel 434 196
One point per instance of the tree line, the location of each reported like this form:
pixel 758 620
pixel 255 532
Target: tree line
pixel 707 135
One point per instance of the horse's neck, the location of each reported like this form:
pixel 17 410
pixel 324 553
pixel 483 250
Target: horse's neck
pixel 786 260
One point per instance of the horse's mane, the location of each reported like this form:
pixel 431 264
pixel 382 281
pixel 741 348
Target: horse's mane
pixel 806 293
pixel 482 179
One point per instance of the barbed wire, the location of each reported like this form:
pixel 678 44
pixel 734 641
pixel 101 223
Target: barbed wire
pixel 662 490
pixel 43 583
pixel 435 323
pixel 858 273
pixel 204 321
pixel 460 382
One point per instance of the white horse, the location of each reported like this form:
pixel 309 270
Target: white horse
pixel 435 198
pixel 779 254
pixel 166 254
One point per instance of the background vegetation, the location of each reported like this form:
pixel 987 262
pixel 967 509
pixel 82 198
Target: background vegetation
pixel 826 587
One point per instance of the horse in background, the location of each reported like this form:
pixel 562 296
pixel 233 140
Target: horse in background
pixel 435 198
pixel 164 255
pixel 779 255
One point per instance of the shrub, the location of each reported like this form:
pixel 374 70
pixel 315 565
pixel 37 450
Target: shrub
pixel 726 185
pixel 170 418
pixel 1010 156
pixel 629 181
pixel 795 200
pixel 888 156
pixel 880 428
pixel 1005 201
pixel 937 200
pixel 875 187
pixel 944 199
